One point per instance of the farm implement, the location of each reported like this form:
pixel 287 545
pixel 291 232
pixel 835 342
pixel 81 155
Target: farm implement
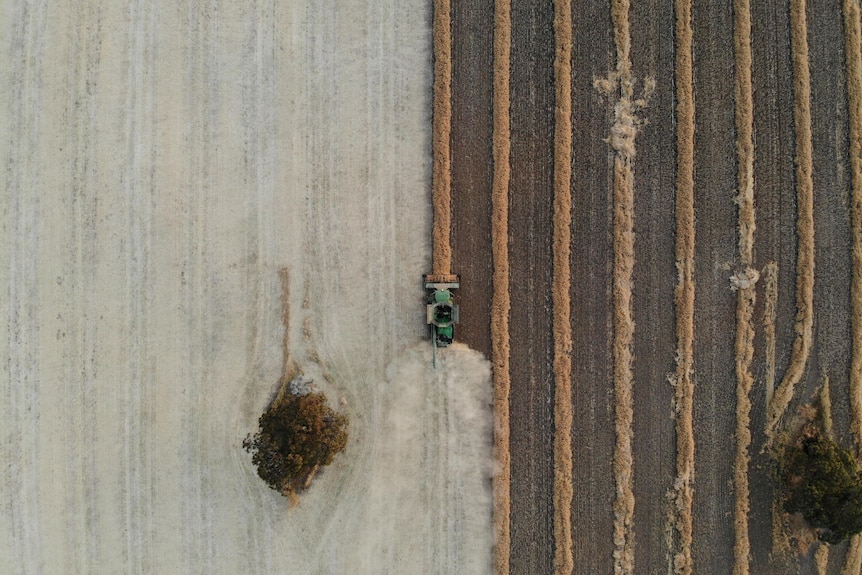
pixel 441 313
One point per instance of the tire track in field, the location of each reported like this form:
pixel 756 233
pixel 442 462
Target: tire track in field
pixel 500 298
pixel 683 493
pixel 743 281
pixel 84 547
pixel 257 81
pixel 805 219
pixel 138 395
pixel 201 86
pixel 22 399
pixel 563 419
pixel 853 74
pixel 442 128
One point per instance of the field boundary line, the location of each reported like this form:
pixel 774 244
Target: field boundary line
pixel 804 219
pixel 500 302
pixel 853 75
pixel 563 419
pixel 682 380
pixel 744 280
pixel 442 128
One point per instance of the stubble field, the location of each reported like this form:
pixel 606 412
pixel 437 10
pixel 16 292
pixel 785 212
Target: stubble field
pixel 706 276
pixel 655 209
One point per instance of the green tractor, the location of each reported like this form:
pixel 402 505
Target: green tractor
pixel 441 313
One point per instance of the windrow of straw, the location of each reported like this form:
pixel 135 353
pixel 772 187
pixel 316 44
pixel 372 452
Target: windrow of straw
pixel 744 281
pixel 826 407
pixel 442 127
pixel 683 379
pixel 821 559
pixel 500 297
pixel 804 219
pixel 770 312
pixel 622 138
pixel 853 73
pixel 853 560
pixel 853 63
pixel 563 470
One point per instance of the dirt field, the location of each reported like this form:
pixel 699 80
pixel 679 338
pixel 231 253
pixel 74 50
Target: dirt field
pixel 196 193
pixel 192 192
pixel 800 322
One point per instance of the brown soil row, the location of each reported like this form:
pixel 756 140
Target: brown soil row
pixel 684 293
pixel 563 418
pixel 442 126
pixel 622 140
pixel 853 73
pixel 805 218
pixel 746 279
pixel 500 298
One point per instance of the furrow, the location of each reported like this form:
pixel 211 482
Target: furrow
pixel 199 101
pixel 22 224
pixel 138 191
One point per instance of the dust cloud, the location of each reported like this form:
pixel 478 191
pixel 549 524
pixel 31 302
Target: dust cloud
pixel 432 463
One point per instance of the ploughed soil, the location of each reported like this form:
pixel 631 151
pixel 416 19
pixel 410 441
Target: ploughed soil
pixel 531 192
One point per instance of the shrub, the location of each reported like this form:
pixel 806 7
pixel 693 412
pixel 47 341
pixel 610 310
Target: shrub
pixel 297 436
pixel 822 482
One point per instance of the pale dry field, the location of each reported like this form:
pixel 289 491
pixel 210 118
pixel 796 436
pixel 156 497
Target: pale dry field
pixel 164 163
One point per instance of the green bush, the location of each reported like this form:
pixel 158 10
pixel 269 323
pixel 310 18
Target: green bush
pixel 822 482
pixel 297 436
